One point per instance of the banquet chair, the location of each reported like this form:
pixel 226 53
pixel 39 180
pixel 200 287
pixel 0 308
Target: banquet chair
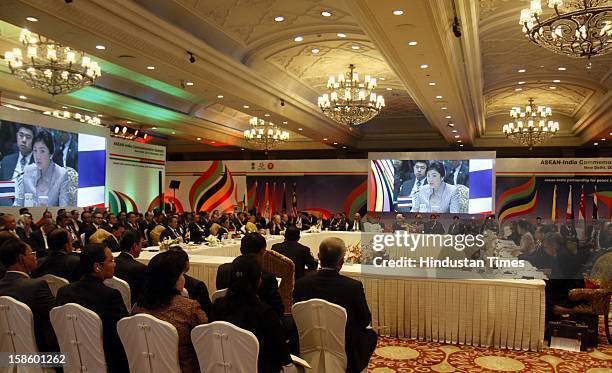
pixel 218 294
pixel 150 344
pixel 281 267
pixel 155 234
pixel 321 326
pixel 17 332
pixel 124 289
pixel 221 346
pixel 79 333
pixel 54 282
pixel 99 236
pixel 73 185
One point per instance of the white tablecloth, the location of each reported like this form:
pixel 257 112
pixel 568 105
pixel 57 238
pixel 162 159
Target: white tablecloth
pixel 503 313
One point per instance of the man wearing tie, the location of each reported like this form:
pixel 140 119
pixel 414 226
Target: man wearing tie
pixel 456 227
pixel 171 231
pixel 13 165
pixel 356 225
pixel 67 154
pixel 411 186
pixel 457 173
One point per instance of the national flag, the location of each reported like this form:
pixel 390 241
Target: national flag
pixel 7 189
pixel 273 200
pixel 605 197
pixel 294 210
pixel 569 212
pixel 553 213
pixel 252 201
pixel 267 203
pixel 595 207
pixel 284 203
pixel 582 212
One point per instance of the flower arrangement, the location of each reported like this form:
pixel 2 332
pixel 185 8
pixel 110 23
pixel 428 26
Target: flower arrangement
pixel 212 240
pixel 314 229
pixel 353 254
pixel 168 242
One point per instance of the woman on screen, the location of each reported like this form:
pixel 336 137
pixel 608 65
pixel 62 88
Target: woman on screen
pixel 44 182
pixel 437 195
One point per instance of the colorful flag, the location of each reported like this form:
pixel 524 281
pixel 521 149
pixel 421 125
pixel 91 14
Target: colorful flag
pixel 553 214
pixel 284 203
pixel 516 201
pixel 595 207
pixel 605 197
pixel 569 212
pixel 252 197
pixel 267 203
pixel 273 200
pixel 294 210
pixel 582 213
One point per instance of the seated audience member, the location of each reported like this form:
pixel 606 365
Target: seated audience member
pixel 456 227
pixel 298 253
pixel 568 230
pixel 97 264
pixel 330 285
pixel 25 227
pixel 5 236
pixel 60 261
pixel 276 226
pixel 197 289
pixel 162 299
pixel 197 230
pixel 242 307
pixel 417 225
pixel 38 239
pixel 400 223
pixel 337 223
pixel 527 245
pixel 302 221
pixel 127 267
pixel 112 241
pixel 254 243
pixel 490 224
pixel 10 224
pixel 433 226
pixel 19 260
pixel 171 232
pixel 356 225
pixel 224 228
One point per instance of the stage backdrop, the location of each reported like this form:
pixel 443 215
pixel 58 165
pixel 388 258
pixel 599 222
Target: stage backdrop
pixel 133 175
pixel 322 186
pixel 554 188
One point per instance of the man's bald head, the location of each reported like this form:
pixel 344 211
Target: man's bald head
pixel 331 252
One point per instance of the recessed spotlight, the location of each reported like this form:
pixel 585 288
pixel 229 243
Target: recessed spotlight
pixel 266 115
pixel 561 68
pixel 457 136
pixel 595 143
pixel 381 78
pixel 398 12
pixel 153 128
pixel 355 46
pixel 245 106
pixel 31 19
pixel 459 141
pixel 521 70
pixel 213 142
pixel 189 83
pixel 603 139
pixel 552 87
pixel 521 82
pixel 439 97
pixel 518 89
pixel 64 107
pixel 424 66
pixel 100 47
pixel 325 139
pixel 129 122
pixel 150 67
pixel 344 147
pixel 298 38
pixel 432 83
pixel 448 117
pixel 335 143
pixel 412 43
pixel 22 97
pixel 341 35
pixel 100 115
pixel 443 108
pixel 199 139
pixel 389 89
pixel 461 145
pixel 314 50
pixel 241 148
pixel 326 13
pixel 219 96
pixel 174 133
pixel 556 81
pixel 300 129
pixel 285 122
pixel 454 131
pixel 451 125
pixel 279 18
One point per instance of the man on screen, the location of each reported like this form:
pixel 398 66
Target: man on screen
pixel 411 186
pixel 13 165
pixel 457 173
pixel 66 154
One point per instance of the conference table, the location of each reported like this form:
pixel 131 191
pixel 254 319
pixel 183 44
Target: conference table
pixel 497 312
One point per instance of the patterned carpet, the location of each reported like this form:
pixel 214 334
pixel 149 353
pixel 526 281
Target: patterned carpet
pixel 403 355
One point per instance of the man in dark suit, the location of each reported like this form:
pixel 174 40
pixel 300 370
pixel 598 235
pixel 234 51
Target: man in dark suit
pixel 337 223
pixel 412 184
pixel 433 226
pixel 298 253
pixel 60 261
pixel 12 165
pixel 255 243
pixel 127 267
pixel 330 285
pixel 67 151
pixel 276 225
pixel 457 173
pixel 456 227
pixel 356 225
pixel 38 238
pixel 97 264
pixel 19 260
pixel 197 231
pixel 171 231
pixel 112 242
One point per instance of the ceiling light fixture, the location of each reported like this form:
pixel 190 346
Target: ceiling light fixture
pixel 350 101
pixel 448 117
pixel 284 122
pixel 521 82
pixel 595 143
pixel 314 50
pixel 451 125
pixel 398 12
pixel 518 89
pixel 300 129
pixel 443 108
pixel 424 66
pixel 265 135
pixel 199 139
pixel 266 115
pixel 439 97
pixel 100 47
pixel 31 19
pixel 561 68
pixel 341 35
pixel 189 83
pixel 432 83
pixel 326 13
pixel 279 18
pixel 389 89
pixel 552 87
pixel 298 38
pixel 219 96
pixel 49 66
pixel 325 139
pixel 457 136
pixel 355 47
pixel 530 127
pixel 245 106
pixel 576 28
pixel 522 70
pixel 556 81
pixel 94 121
pixel 22 97
pixel 412 43
pixel 150 67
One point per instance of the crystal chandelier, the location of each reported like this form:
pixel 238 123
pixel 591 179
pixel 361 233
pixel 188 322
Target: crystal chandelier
pixel 577 28
pixel 530 127
pixel 50 67
pixel 94 121
pixel 349 101
pixel 265 135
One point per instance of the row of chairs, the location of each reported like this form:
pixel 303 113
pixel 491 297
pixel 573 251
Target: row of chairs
pixel 151 345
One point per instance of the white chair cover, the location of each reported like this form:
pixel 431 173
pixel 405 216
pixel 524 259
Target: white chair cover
pixel 321 326
pixel 222 347
pixel 55 282
pixel 79 333
pixel 151 345
pixel 218 294
pixel 17 332
pixel 124 289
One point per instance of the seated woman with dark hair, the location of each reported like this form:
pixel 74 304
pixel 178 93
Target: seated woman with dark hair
pixel 243 308
pixel 437 195
pixel 162 299
pixel 197 289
